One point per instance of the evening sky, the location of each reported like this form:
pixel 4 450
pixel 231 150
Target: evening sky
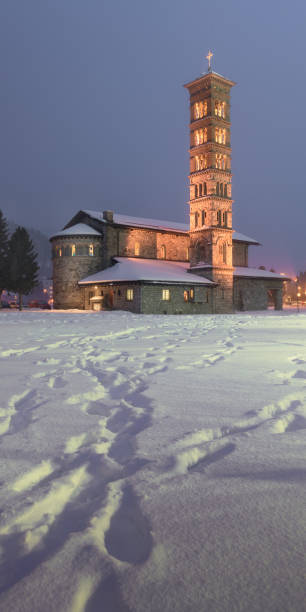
pixel 93 113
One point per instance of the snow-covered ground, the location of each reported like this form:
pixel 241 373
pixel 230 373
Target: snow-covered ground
pixel 152 463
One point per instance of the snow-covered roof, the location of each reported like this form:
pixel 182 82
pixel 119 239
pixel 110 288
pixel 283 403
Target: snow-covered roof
pixel 242 238
pixel 152 270
pixel 256 273
pixel 141 222
pixel 78 230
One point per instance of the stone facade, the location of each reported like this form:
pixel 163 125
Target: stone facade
pixel 68 269
pixel 257 293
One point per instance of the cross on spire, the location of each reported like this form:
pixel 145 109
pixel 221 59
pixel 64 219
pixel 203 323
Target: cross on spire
pixel 208 57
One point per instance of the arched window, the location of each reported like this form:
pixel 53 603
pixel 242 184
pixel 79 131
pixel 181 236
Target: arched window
pixel 137 249
pixel 203 219
pixel 224 253
pixel 219 217
pixel 225 190
pixel 217 188
pixel 205 188
pixel 195 191
pixel 221 189
pixel 73 249
pixel 200 190
pixel 163 252
pixel 196 219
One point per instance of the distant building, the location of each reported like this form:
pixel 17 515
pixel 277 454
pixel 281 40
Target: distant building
pixel 107 260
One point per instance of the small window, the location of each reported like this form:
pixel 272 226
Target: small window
pixel 91 250
pixel 203 219
pixel 137 249
pixel 119 293
pixel 205 188
pixel 200 190
pixel 130 295
pixel 225 190
pixel 163 252
pixel 166 295
pixel 195 191
pixel 59 252
pixel 187 253
pixel 67 250
pixel 191 295
pixel 73 250
pixel 219 217
pixel 185 296
pixel 223 218
pixel 196 219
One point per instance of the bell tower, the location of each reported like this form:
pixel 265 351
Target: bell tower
pixel 210 184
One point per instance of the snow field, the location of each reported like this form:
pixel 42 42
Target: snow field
pixel 152 463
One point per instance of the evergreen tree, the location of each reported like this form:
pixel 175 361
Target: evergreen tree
pixel 3 254
pixel 23 267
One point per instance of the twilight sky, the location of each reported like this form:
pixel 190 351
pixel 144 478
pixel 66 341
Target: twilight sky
pixel 93 113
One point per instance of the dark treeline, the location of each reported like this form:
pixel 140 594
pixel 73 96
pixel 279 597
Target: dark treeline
pixel 18 261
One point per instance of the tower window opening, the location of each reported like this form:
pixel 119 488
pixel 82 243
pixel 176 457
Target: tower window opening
pixel 220 161
pixel 221 189
pixel 217 189
pixel 195 191
pixel 200 190
pixel 203 219
pixel 223 218
pixel 220 135
pixel 200 109
pixel 200 162
pixel 200 136
pixel 91 250
pixel 220 109
pixel 225 190
pixel 205 188
pixel 219 217
pixel 196 219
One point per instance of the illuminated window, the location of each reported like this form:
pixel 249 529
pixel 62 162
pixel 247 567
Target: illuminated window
pixel 220 161
pixel 59 252
pixel 163 252
pixel 200 136
pixel 220 135
pixel 91 250
pixel 187 253
pixel 73 250
pixel 200 109
pixel 130 295
pixel 166 295
pixel 200 162
pixel 219 109
pixel 136 248
pixel 189 295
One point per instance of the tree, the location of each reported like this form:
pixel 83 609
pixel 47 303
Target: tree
pixel 23 267
pixel 4 241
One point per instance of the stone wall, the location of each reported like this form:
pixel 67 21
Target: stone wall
pixel 138 242
pixel 252 293
pixel 152 301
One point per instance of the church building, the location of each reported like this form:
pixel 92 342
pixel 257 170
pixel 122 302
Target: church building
pixel 104 260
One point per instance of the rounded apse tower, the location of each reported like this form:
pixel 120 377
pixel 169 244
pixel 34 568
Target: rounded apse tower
pixel 76 253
